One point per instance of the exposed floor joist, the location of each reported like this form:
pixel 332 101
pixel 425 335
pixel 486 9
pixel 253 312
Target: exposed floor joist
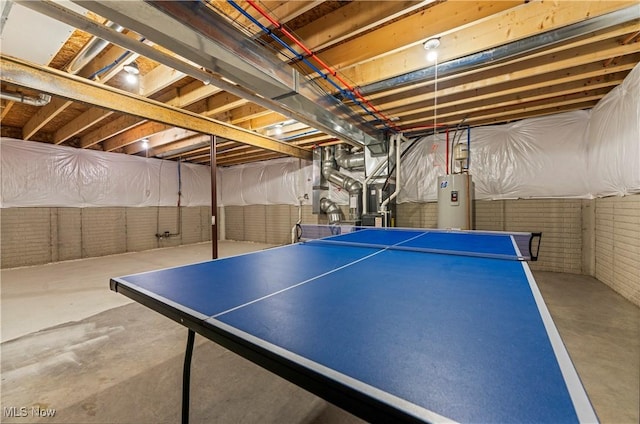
pixel 63 85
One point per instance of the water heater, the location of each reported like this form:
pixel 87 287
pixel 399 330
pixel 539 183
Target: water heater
pixel 455 201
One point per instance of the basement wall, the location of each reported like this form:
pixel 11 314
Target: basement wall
pixel 598 237
pixel 617 244
pixel 34 236
pixel 559 220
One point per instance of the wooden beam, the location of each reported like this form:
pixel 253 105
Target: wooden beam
pixel 493 98
pixel 57 106
pixel 43 116
pixel 6 108
pixel 223 102
pixel 157 79
pixel 351 20
pixel 87 119
pixel 251 158
pixel 186 96
pixel 134 134
pixel 433 21
pixel 559 52
pixel 107 58
pixel 24 74
pixel 247 112
pixel 117 126
pixel 539 67
pixel 189 94
pixel 166 140
pixel 182 145
pixel 284 11
pixel 510 25
pixel 461 89
pixel 263 121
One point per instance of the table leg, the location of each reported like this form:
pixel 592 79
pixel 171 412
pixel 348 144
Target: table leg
pixel 186 377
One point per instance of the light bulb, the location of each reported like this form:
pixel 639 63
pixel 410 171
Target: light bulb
pixel 131 78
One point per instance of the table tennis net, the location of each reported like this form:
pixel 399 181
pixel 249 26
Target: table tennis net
pixel 481 243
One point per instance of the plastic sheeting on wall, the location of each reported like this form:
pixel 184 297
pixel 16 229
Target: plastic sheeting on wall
pixel 540 157
pixel 581 154
pixel 44 175
pixel 274 182
pixel 614 140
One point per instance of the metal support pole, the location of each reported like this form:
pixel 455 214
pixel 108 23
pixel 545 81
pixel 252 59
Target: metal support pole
pixel 214 200
pixel 186 377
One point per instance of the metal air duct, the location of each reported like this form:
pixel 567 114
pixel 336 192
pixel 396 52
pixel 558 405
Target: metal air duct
pixel 334 176
pixel 333 211
pixel 41 100
pixel 345 159
pixel 198 34
pixel 92 49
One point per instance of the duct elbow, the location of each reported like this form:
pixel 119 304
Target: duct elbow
pixel 345 159
pixel 333 211
pixel 42 100
pixel 353 186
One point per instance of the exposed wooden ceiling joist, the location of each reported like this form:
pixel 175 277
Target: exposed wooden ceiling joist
pixel 67 86
pixel 368 42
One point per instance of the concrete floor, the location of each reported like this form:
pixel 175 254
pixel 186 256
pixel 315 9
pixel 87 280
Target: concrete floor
pixel 70 344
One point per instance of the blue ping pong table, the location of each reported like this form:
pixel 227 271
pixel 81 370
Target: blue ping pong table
pixel 384 325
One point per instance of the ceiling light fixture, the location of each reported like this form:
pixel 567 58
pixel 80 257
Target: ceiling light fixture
pixel 131 68
pixel 132 71
pixel 431 43
pixel 431 46
pixel 278 129
pixel 145 143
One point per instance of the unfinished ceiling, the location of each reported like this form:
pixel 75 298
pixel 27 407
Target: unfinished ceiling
pixel 290 75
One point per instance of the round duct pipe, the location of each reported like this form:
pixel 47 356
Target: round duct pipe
pixel 333 211
pixel 41 100
pixel 345 159
pixel 90 51
pixel 329 171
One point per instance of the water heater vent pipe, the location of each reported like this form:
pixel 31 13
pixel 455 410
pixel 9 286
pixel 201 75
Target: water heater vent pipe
pixel 398 140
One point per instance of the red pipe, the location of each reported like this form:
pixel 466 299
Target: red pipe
pixel 326 67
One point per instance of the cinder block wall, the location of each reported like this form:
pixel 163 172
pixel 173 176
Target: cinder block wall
pixel 33 236
pixel 598 237
pixel 617 244
pixel 560 221
pixel 593 237
pixel 265 223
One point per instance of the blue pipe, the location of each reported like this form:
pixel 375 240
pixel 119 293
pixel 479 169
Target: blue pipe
pixel 109 66
pixel 112 64
pixel 301 57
